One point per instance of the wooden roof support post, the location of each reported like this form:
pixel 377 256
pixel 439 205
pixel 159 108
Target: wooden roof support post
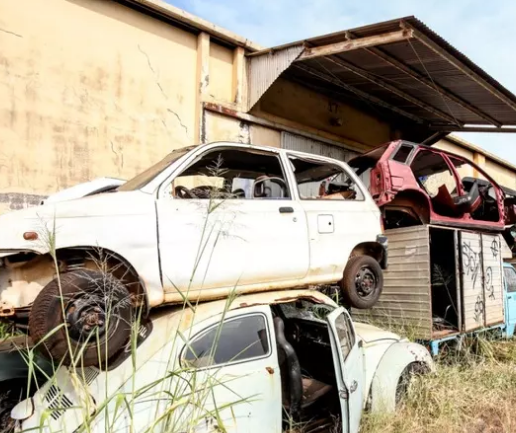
pixel 355 44
pixel 202 84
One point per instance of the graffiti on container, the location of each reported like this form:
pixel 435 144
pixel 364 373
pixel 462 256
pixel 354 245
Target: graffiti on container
pixel 471 262
pixel 489 283
pixel 479 309
pixel 495 248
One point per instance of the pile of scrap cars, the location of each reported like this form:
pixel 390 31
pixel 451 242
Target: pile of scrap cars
pixel 234 238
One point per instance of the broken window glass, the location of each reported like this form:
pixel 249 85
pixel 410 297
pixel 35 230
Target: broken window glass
pixel 324 181
pixel 238 339
pixel 345 334
pixel 402 153
pixel 232 174
pixel 510 278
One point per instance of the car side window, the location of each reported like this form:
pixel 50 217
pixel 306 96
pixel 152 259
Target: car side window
pixel 345 333
pixel 235 340
pixel 323 181
pixel 232 173
pixel 510 278
pixel 402 153
pixel 433 173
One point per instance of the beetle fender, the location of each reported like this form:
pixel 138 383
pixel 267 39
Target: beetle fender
pixel 390 368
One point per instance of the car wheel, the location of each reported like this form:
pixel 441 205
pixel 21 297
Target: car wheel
pixel 11 392
pixel 411 370
pixel 90 315
pixel 362 283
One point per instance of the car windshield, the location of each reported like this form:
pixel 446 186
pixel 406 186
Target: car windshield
pixel 144 178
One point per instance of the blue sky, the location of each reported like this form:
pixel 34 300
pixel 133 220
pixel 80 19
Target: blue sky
pixel 483 31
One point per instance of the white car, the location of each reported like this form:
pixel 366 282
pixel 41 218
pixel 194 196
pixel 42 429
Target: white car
pixel 258 363
pixel 201 223
pixel 96 186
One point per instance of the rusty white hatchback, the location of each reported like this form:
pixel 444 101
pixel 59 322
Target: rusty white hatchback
pixel 267 362
pixel 203 222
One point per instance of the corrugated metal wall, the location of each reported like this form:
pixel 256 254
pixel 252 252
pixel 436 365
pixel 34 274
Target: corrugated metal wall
pixel 406 298
pixel 303 144
pixel 493 294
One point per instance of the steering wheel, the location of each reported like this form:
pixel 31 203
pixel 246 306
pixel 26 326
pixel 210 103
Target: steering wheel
pixel 277 180
pixel 183 192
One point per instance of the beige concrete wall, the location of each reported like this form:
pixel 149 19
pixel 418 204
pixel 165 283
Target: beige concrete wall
pixel 221 72
pixel 91 88
pixel 501 174
pixel 88 89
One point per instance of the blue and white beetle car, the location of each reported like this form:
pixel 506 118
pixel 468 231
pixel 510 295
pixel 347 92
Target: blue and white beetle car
pixel 247 364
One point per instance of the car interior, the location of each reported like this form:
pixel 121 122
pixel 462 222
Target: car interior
pixel 434 175
pixel 232 174
pixel 318 180
pixel 309 392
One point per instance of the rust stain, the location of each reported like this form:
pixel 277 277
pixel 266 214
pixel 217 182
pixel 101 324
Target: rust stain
pixel 270 370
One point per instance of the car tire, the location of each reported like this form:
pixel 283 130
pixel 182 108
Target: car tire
pixel 362 282
pixel 411 370
pixel 93 308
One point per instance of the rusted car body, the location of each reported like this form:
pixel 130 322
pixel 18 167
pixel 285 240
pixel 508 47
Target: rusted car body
pixel 416 184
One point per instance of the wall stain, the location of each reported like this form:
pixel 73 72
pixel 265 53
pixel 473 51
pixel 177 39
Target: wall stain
pixel 17 201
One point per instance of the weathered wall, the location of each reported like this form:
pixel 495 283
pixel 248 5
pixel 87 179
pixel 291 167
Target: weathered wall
pixel 91 88
pixel 294 102
pixel 500 173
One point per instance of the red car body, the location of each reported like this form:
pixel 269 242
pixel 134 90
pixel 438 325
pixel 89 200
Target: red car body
pixel 416 184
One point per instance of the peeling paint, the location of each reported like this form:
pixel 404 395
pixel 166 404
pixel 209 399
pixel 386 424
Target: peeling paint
pixel 18 201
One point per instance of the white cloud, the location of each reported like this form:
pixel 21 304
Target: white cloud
pixel 483 31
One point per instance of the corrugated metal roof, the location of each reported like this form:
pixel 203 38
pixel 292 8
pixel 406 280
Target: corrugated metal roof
pixel 420 78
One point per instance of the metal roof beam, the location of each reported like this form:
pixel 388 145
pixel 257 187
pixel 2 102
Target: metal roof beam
pixel 360 93
pixel 459 65
pixel 473 129
pixel 378 52
pixel 355 44
pixel 379 82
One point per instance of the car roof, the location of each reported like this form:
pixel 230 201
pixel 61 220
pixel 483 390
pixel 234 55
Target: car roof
pixel 185 315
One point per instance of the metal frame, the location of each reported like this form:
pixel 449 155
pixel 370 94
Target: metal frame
pixel 266 66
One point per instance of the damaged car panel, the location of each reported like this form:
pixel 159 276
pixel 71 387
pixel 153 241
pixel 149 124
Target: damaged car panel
pixel 260 362
pixel 202 223
pixel 416 184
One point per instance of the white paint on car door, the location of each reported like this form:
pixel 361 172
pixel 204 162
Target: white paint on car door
pixel 349 368
pixel 335 225
pixel 215 245
pixel 238 371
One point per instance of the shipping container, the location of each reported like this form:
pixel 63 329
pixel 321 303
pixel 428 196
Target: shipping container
pixel 441 283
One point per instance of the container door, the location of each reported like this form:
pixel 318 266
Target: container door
pixel 471 276
pixel 493 283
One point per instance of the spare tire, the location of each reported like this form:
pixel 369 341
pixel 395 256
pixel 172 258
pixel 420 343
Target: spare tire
pixel 96 311
pixel 362 283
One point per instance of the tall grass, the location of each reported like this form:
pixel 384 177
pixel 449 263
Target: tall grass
pixel 181 399
pixel 473 391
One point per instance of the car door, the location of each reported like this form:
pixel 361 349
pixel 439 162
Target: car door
pixel 235 367
pixel 510 294
pixel 349 368
pixel 338 220
pixel 239 227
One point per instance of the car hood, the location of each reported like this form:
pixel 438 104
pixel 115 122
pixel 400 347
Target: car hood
pixel 54 217
pixel 371 334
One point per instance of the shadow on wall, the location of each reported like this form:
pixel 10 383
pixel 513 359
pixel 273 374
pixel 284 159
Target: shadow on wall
pixel 141 21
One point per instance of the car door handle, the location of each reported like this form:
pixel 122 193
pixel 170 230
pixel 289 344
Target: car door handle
pixel 286 209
